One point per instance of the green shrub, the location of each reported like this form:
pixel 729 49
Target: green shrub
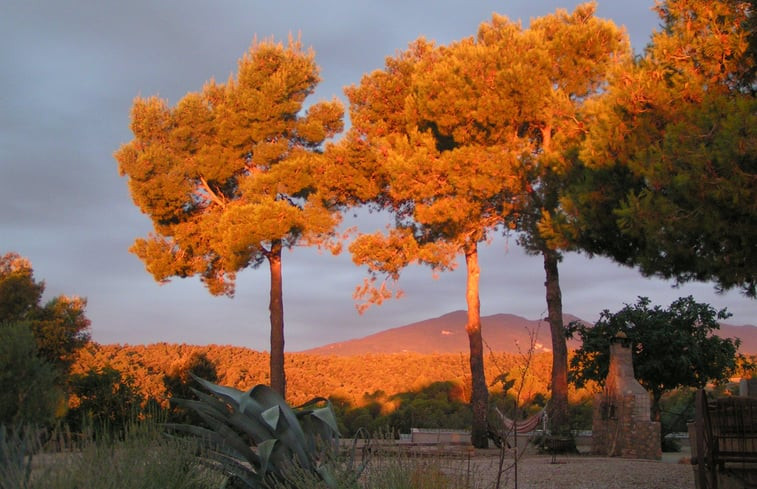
pixel 29 385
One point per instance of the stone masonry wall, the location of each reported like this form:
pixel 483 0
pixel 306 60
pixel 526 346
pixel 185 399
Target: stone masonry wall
pixel 616 433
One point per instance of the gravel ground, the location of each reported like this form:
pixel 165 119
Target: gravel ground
pixel 585 472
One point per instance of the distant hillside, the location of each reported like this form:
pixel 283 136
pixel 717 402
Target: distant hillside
pixel 505 333
pixel 502 333
pixel 747 333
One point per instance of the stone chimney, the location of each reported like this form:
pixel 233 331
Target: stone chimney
pixel 621 426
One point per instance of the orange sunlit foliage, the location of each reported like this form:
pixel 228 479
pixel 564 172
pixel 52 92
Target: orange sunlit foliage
pixel 359 380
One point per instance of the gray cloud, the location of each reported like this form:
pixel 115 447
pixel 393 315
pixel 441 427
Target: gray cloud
pixel 70 73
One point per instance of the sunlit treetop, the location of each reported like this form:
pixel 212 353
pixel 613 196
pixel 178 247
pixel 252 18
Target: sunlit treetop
pixel 680 123
pixel 19 291
pixel 448 138
pixel 227 174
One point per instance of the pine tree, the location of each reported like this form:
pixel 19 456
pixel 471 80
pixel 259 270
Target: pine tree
pixel 673 152
pixel 228 176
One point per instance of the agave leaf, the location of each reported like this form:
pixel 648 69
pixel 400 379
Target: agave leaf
pixel 265 450
pixel 247 424
pixel 229 393
pixel 326 415
pixel 202 406
pixel 211 401
pixel 227 435
pixel 230 466
pixel 261 418
pixel 367 452
pixel 257 431
pixel 312 402
pixel 241 401
pixel 288 429
pixel 271 416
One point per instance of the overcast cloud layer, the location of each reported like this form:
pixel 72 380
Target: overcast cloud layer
pixel 70 71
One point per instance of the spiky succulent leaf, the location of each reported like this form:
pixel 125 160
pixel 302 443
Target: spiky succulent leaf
pixel 220 437
pixel 256 437
pixel 288 429
pixel 271 417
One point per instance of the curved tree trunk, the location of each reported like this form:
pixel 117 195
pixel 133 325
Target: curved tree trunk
pixel 276 307
pixel 558 407
pixel 480 393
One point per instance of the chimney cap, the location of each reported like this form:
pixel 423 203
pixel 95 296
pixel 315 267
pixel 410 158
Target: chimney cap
pixel 622 338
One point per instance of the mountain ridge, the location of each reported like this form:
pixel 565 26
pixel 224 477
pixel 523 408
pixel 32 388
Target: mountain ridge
pixel 502 332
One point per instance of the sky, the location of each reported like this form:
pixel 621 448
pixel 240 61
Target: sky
pixel 70 72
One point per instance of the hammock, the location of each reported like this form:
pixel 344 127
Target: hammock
pixel 525 426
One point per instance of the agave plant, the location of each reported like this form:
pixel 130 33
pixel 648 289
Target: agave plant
pixel 256 438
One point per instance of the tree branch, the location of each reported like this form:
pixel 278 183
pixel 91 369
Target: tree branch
pixel 213 196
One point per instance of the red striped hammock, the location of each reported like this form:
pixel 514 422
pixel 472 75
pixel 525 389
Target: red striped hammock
pixel 524 426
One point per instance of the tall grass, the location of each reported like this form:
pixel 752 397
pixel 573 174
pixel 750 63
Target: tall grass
pixel 142 458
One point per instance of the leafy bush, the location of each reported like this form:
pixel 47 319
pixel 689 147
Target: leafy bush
pixel 103 398
pixel 29 390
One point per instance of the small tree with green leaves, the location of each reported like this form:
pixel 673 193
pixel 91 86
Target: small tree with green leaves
pixel 29 385
pixel 672 348
pixel 60 326
pixel 104 397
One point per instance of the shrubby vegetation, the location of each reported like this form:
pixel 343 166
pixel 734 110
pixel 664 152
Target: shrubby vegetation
pixel 30 390
pixel 141 458
pixel 672 348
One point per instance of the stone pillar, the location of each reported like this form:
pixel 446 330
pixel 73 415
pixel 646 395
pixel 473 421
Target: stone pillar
pixel 621 425
pixel 748 387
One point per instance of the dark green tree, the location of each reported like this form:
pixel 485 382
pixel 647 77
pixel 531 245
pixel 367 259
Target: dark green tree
pixel 30 390
pixel 60 326
pixel 61 329
pixel 20 293
pixel 180 383
pixel 672 348
pixel 104 398
pixel 673 144
pixel 229 176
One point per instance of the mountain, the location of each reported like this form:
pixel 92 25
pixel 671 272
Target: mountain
pixel 747 333
pixel 446 334
pixel 502 333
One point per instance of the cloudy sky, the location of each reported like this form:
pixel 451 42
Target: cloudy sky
pixel 70 71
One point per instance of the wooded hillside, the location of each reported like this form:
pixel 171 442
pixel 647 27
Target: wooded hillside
pixel 354 379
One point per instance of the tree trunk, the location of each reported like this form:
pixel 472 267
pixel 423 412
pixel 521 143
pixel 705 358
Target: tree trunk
pixel 480 393
pixel 558 404
pixel 276 307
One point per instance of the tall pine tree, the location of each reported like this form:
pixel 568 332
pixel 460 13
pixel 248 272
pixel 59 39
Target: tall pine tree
pixel 228 176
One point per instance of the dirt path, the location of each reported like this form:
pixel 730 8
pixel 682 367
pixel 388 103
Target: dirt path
pixel 585 472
